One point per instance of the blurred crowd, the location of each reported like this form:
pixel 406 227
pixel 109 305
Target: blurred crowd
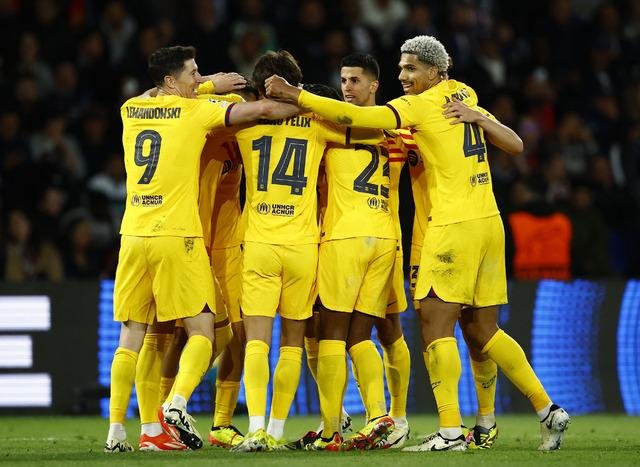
pixel 564 74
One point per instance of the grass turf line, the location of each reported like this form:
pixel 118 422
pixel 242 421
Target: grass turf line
pixel 48 440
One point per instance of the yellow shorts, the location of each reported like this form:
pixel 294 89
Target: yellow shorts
pixel 279 278
pixel 397 301
pixel 172 272
pixel 227 266
pixel 414 267
pixel 355 274
pixel 464 263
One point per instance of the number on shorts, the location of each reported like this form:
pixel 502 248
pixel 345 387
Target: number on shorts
pixel 151 160
pixel 361 183
pixel 294 148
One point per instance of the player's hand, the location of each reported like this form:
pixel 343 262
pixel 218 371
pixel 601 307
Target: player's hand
pixel 278 88
pixel 226 82
pixel 460 112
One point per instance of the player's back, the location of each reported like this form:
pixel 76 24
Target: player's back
pixel 281 160
pixel 163 138
pixel 459 180
pixel 358 201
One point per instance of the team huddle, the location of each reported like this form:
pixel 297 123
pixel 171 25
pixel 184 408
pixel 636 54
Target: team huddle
pixel 318 242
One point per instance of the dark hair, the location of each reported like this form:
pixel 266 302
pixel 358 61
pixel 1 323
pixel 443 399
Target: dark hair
pixel 168 61
pixel 279 63
pixel 322 90
pixel 364 61
pixel 249 89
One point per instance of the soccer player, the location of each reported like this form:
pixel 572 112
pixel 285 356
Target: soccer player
pixel 462 262
pixel 281 159
pixel 163 271
pixel 357 254
pixel 160 335
pixel 226 259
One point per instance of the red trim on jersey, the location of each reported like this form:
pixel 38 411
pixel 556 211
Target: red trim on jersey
pixel 397 159
pixel 227 114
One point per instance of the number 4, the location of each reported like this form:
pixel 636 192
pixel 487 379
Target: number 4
pixel 471 148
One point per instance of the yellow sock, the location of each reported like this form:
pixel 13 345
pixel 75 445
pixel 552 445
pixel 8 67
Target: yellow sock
pixel 367 360
pixel 194 362
pixel 332 376
pixel 256 376
pixel 443 364
pixel 166 384
pixel 226 400
pixel 123 373
pixel 484 376
pixel 148 377
pixel 285 381
pixel 397 366
pixel 311 349
pixel 511 359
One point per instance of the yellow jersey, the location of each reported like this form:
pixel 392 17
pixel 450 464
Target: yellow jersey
pixel 163 138
pixel 358 203
pixel 281 160
pixel 458 176
pixel 226 210
pixel 397 158
pixel 403 145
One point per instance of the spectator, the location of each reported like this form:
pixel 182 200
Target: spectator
pixel 81 261
pixel 27 257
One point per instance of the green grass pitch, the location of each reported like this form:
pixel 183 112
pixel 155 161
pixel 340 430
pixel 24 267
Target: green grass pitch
pixel 590 440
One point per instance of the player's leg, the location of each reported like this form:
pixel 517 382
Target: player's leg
pixel 371 304
pixel 183 288
pixel 286 375
pixel 261 288
pixel 133 306
pixel 170 359
pixel 123 371
pixel 298 295
pixel 445 281
pixel 148 377
pixel 331 376
pixel 483 332
pixel 397 367
pixel 396 357
pixel 338 297
pixel 223 433
pixel 511 359
pixel 485 372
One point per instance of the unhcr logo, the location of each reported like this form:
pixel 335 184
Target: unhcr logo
pixel 135 200
pixel 374 203
pixel 263 208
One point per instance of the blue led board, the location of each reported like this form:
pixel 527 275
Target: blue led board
pixel 629 348
pixel 564 343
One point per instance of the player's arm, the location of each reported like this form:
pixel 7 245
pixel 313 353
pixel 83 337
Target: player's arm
pixel 381 117
pixel 498 134
pixel 267 109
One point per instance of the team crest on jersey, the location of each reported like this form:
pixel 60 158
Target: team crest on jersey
pixel 222 104
pixel 263 208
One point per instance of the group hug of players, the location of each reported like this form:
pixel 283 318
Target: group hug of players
pixel 318 242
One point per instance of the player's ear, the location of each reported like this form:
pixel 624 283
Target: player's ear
pixel 170 81
pixel 374 86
